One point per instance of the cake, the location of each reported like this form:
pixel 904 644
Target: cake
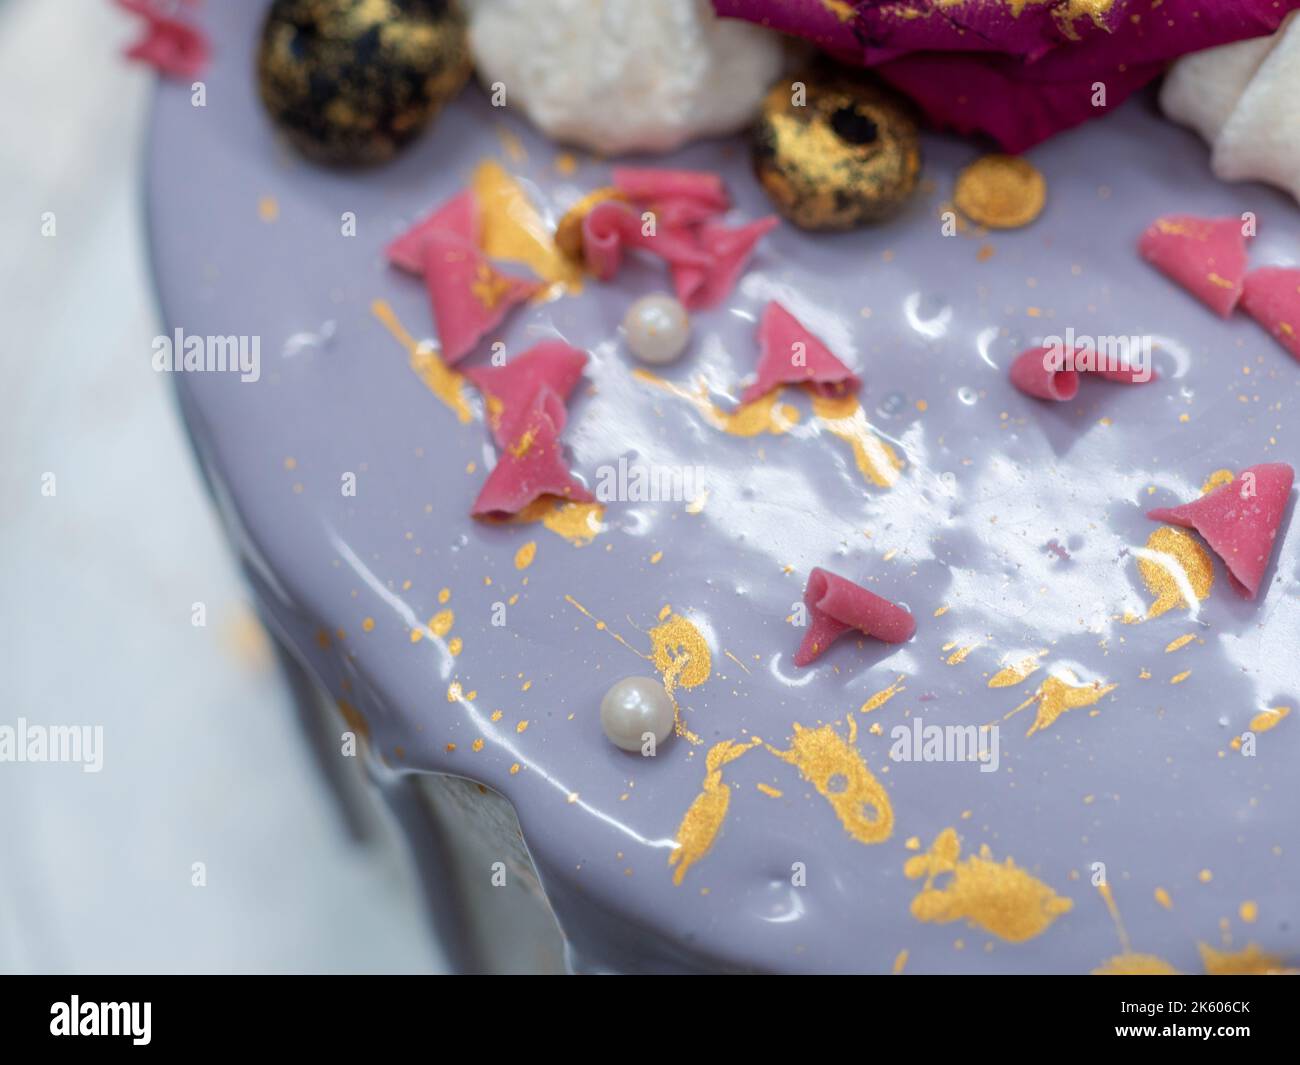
pixel 803 819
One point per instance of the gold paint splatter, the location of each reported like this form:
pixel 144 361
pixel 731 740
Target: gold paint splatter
pixel 367 624
pixel 566 164
pixel 900 961
pixel 1249 961
pixel 1175 569
pixel 1055 696
pixel 455 645
pixel 522 726
pixel 1162 897
pixel 1269 719
pixel 579 523
pixel 513 230
pixel 454 692
pixel 878 463
pixel 913 843
pixel 703 819
pixel 835 768
pixel 768 790
pixel 959 656
pixel 438 378
pixel 525 555
pixel 1017 671
pixel 656 558
pixel 1135 965
pixel 1216 480
pixel 763 415
pixel 268 209
pixel 444 594
pixel 477 745
pixel 1205 876
pixel 1002 899
pixel 441 622
pixel 1178 678
pixel 1181 641
pixel 942 610
pixel 883 696
pixel 354 718
pixel 1248 911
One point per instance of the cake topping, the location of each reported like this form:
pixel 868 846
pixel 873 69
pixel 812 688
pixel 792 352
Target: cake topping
pixel 568 233
pixel 692 195
pixel 728 250
pixel 637 714
pixel 458 216
pixel 1053 372
pixel 1271 295
pixel 169 45
pixel 789 354
pixel 1034 375
pixel 1000 191
pixel 610 226
pixel 657 328
pixel 1239 521
pixel 1207 256
pixel 836 606
pixel 531 466
pixel 510 391
pixel 470 297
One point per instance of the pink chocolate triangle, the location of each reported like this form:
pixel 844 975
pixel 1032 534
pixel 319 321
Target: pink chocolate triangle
pixel 1272 297
pixel 1207 256
pixel 1239 521
pixel 700 286
pixel 610 227
pixel 789 354
pixel 551 366
pixel 169 45
pixel 458 216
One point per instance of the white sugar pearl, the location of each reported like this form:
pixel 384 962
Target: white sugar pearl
pixel 634 706
pixel 657 328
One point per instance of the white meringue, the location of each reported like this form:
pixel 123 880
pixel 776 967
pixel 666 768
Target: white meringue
pixel 1242 99
pixel 619 76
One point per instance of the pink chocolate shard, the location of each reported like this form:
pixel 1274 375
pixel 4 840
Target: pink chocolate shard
pixel 610 227
pixel 1207 256
pixel 836 606
pixel 1034 374
pixel 648 185
pixel 1239 521
pixel 1271 296
pixel 700 286
pixel 172 47
pixel 789 354
pixel 458 216
pixel 470 296
pixel 551 367
pixel 531 466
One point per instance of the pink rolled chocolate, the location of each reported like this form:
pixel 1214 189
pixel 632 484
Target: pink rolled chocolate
pixel 1240 521
pixel 611 226
pixel 1035 373
pixel 836 606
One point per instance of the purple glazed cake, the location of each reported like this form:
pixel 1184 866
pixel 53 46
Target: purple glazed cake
pixel 1127 804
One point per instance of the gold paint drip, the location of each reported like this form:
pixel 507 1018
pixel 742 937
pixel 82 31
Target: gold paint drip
pixel 844 417
pixel 439 378
pixel 1002 899
pixel 579 523
pixel 1219 477
pixel 763 415
pixel 703 819
pixel 513 230
pixel 1268 719
pixel 1175 569
pixel 1013 674
pixel 1249 961
pixel 883 696
pixel 834 767
pixel 1129 964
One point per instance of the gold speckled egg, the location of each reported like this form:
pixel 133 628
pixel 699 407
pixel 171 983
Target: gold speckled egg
pixel 840 153
pixel 352 81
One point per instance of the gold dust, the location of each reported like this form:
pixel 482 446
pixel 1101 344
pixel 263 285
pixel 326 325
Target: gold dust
pixel 1181 641
pixel 883 696
pixel 1135 965
pixel 1250 961
pixel 844 417
pixel 579 523
pixel 656 558
pixel 1248 911
pixel 513 230
pixel 763 415
pixel 525 555
pixel 1000 898
pixel 477 745
pixel 1162 897
pixel 1017 671
pixel 1175 569
pixel 768 790
pixel 900 961
pixel 1268 719
pixel 1217 480
pixel 1178 678
pixel 268 209
pixel 368 625
pixel 455 645
pixel 959 656
pixel 1055 696
pixel 1205 876
pixel 444 594
pixel 441 622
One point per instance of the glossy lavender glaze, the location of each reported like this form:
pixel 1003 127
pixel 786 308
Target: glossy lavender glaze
pixel 1029 544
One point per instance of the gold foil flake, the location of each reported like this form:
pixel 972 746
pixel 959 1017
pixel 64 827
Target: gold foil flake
pixel 1249 961
pixel 1000 191
pixel 703 819
pixel 843 417
pixel 1055 696
pixel 1175 569
pixel 763 415
pixel 1013 674
pixel 1180 642
pixel 1135 965
pixel 883 696
pixel 525 555
pixel 1002 899
pixel 513 230
pixel 438 378
pixel 579 523
pixel 1268 719
pixel 835 768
